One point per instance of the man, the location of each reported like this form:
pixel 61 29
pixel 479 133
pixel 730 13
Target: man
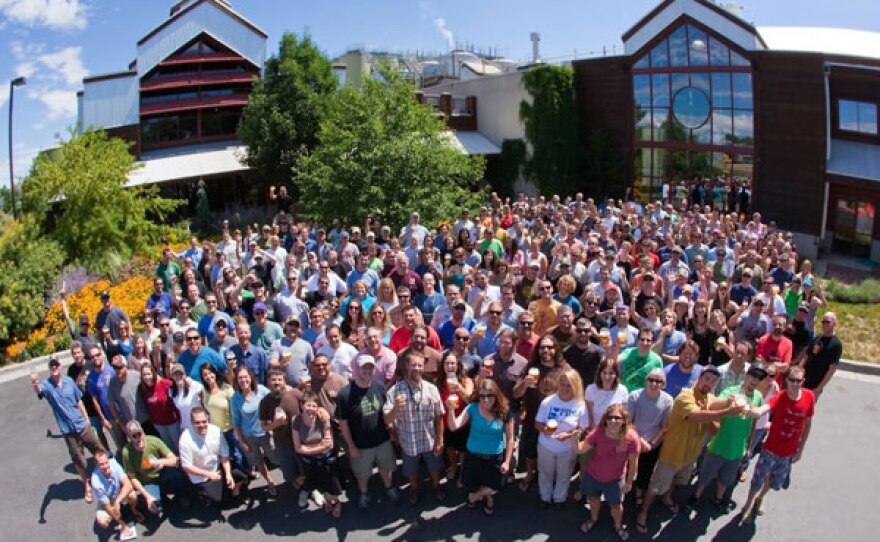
pixel 669 340
pixel 490 242
pixel 263 332
pixel 315 333
pixel 112 489
pixel 649 408
pixel 443 313
pixel 486 336
pixel 688 422
pixel 583 354
pixel 384 358
pixel 335 285
pixel 98 384
pixel 78 371
pixel 526 338
pixel 413 229
pixel 821 359
pixel 151 467
pixel 793 411
pixel 621 324
pixel 401 275
pixel 402 336
pixel 122 395
pixel 752 325
pixel 327 385
pixel 414 407
pixel 184 318
pixel 222 340
pixel 432 356
pixel 458 320
pixel 482 293
pixel 66 401
pixel 204 456
pixel 729 446
pixel 340 353
pixel 292 354
pixel 544 308
pixel 168 270
pixel 109 317
pixel 743 290
pixel 512 311
pixel 775 347
pixel 564 330
pixel 289 301
pixel 276 411
pixel 363 428
pixel 249 354
pixel 526 285
pixel 321 296
pixel 636 363
pixel 733 373
pixel 208 322
pixel 461 341
pixel 160 301
pixel 196 354
pixel 364 273
pixel 509 367
pixel 670 269
pixel 642 294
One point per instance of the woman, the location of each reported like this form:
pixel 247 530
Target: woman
pixel 681 308
pixel 217 397
pixel 185 393
pixel 500 274
pixel 548 363
pixel 354 317
pixel 379 319
pixel 386 296
pixel 457 269
pixel 651 319
pixel 625 258
pixel 489 443
pixel 698 330
pixel 559 418
pixel 721 301
pixel 605 391
pixel 140 355
pixel 359 291
pixel 245 408
pixel 455 383
pixel 512 254
pixel 720 339
pixel 124 343
pixel 611 467
pixel 155 392
pixel 313 442
pixel 565 288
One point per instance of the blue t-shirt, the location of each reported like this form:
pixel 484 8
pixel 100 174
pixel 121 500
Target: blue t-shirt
pixel 64 400
pixel 206 324
pixel 488 345
pixel 738 293
pixel 246 414
pixel 447 331
pixel 107 487
pixel 253 357
pixel 191 363
pixel 97 384
pixel 485 438
pixel 676 380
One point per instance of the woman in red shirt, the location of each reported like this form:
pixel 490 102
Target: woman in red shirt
pixel 163 413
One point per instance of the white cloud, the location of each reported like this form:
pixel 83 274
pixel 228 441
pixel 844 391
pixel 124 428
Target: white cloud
pixel 60 103
pixel 53 77
pixel 4 95
pixel 25 69
pixel 440 24
pixel 57 14
pixel 66 64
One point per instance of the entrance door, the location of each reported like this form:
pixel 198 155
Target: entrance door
pixel 853 227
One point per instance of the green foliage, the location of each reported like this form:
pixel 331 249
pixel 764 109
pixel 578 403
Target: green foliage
pixel 96 218
pixel 603 170
pixel 283 114
pixel 551 129
pixel 383 153
pixel 204 219
pixel 867 291
pixel 29 265
pixel 513 159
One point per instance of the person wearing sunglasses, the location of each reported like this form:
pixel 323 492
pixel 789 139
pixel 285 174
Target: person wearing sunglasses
pixel 822 357
pixel 649 408
pixel 793 411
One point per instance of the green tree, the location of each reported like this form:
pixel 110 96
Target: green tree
pixel 29 266
pixel 283 114
pixel 204 217
pixel 96 218
pixel 383 153
pixel 551 129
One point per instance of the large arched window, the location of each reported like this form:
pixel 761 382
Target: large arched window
pixel 693 112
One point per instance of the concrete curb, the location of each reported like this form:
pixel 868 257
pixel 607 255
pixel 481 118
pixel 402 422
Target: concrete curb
pixel 860 367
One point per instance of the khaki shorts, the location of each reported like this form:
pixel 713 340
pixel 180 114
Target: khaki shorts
pixel 77 443
pixel 381 456
pixel 665 474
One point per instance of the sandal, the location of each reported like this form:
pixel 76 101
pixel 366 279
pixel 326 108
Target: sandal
pixel 336 511
pixel 90 498
pixel 587 526
pixel 641 528
pixel 524 484
pixel 622 533
pixel 671 506
pixel 470 502
pixel 489 509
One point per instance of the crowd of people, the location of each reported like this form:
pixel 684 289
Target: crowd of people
pixel 629 348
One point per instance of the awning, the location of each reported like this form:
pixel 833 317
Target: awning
pixel 854 159
pixel 188 163
pixel 472 143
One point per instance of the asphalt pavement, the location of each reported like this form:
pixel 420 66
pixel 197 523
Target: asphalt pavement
pixel 830 498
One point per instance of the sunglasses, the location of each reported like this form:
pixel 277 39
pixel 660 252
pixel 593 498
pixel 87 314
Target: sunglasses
pixel 192 339
pixel 487 396
pixel 526 324
pixel 655 381
pixel 795 380
pixel 462 339
pixel 614 418
pixel 495 313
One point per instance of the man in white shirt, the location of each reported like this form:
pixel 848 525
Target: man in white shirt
pixel 338 352
pixel 204 456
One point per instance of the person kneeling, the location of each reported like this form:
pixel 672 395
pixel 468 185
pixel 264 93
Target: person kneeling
pixel 151 467
pixel 112 488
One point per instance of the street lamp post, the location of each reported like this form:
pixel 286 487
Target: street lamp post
pixel 17 82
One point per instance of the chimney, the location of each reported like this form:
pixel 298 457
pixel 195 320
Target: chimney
pixel 536 43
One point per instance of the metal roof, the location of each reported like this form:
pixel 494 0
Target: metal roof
pixel 831 41
pixel 192 162
pixel 471 142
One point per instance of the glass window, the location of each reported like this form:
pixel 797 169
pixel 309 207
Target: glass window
pixel 722 126
pixel 701 81
pixel 659 56
pixel 642 89
pixel 659 169
pixel 691 107
pixel 679 81
pixel 703 134
pixel 660 89
pixel 857 116
pixel 742 90
pixel 743 128
pixel 643 157
pixel 721 90
pixel 737 59
pixel 678 48
pixel 643 124
pixel 661 123
pixel 719 54
pixel 698 43
pixel 642 63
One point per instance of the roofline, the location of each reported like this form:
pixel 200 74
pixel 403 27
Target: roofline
pixel 192 6
pixel 717 9
pixel 106 76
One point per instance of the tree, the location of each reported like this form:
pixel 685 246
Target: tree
pixel 96 218
pixel 551 129
pixel 204 218
pixel 283 114
pixel 383 153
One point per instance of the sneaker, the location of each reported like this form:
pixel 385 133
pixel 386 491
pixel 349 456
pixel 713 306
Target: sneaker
pixel 363 502
pixel 303 500
pixel 393 495
pixel 317 498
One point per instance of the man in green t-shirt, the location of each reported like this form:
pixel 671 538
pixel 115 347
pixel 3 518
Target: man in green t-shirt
pixel 168 270
pixel 729 446
pixel 151 466
pixel 636 363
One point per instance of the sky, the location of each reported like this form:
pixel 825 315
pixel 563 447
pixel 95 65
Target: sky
pixel 55 43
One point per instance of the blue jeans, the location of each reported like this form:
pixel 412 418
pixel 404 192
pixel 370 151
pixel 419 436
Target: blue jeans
pixel 236 455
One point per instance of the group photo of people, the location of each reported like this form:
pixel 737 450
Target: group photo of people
pixel 613 360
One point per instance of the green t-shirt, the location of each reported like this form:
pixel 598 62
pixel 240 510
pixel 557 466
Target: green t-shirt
pixel 166 271
pixel 133 460
pixel 491 244
pixel 733 436
pixel 635 368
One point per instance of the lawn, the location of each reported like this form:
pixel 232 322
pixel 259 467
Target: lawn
pixel 858 326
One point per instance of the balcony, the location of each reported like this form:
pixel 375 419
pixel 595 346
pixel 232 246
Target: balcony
pixel 204 102
pixel 166 82
pixel 458 112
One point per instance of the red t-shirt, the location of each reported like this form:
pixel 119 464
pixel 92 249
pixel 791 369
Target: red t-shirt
pixel 789 419
pixel 608 460
pixel 770 349
pixel 402 338
pixel 159 405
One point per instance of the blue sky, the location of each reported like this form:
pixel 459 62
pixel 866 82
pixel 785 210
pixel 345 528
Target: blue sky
pixel 55 43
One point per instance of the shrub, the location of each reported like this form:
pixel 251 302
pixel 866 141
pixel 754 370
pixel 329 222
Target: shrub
pixel 867 291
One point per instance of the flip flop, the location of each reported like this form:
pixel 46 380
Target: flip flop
pixel 672 507
pixel 622 534
pixel 587 526
pixel 90 498
pixel 641 528
pixel 489 510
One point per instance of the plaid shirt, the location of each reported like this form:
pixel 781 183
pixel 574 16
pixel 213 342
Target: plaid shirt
pixel 415 425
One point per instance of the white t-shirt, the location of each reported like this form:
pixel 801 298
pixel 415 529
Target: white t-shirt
pixel 185 403
pixel 203 452
pixel 567 413
pixel 340 359
pixel 602 399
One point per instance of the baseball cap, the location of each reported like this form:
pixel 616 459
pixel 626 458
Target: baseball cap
pixel 292 319
pixel 260 307
pixel 83 319
pixel 804 307
pixel 177 368
pixel 757 369
pixel 711 369
pixel 105 294
pixel 366 360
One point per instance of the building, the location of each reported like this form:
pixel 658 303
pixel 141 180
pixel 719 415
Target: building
pixel 180 101
pixel 786 115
